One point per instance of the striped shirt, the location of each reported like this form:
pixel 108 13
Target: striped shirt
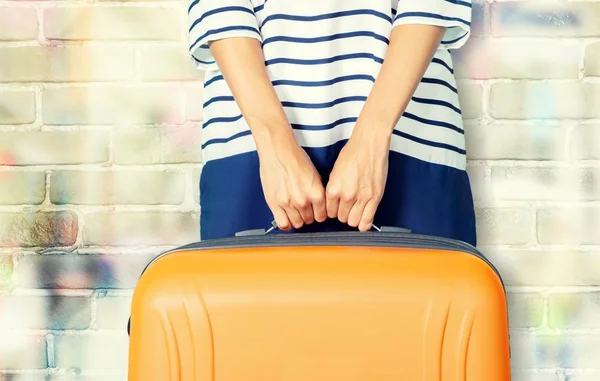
pixel 323 57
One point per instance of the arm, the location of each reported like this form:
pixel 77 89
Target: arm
pixel 358 180
pixel 224 35
pixel 292 186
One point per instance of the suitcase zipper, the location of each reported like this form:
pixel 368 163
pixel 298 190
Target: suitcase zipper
pixel 373 239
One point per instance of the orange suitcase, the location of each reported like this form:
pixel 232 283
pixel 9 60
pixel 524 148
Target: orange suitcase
pixel 320 307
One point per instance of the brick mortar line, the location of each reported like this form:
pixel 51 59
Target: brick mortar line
pixel 41 292
pixel 101 167
pixel 65 4
pixel 541 164
pixel 552 290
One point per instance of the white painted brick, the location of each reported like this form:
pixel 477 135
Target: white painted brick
pixel 112 23
pixel 18 24
pixel 504 141
pixel 7 270
pixel 66 64
pixel 555 351
pixel 112 312
pixel 17 107
pixel 112 105
pixel 42 312
pixel 582 377
pixel 181 145
pixel 165 63
pixel 585 142
pixel 194 100
pixel 480 19
pixel 22 187
pixel 89 271
pixel 549 100
pixel 536 267
pixel 156 146
pixel 471 102
pixel 196 184
pixel 140 228
pixel 518 59
pixel 22 351
pixel 478 178
pixel 569 225
pixel 525 310
pixel 80 378
pixel 561 184
pixel 535 375
pixel 546 18
pixel 575 310
pixel 33 229
pixel 99 351
pixel 117 187
pixel 53 147
pixel 503 226
pixel 592 60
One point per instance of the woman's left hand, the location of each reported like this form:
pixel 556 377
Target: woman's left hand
pixel 358 179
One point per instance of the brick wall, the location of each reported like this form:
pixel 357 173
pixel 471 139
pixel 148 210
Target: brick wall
pixel 100 115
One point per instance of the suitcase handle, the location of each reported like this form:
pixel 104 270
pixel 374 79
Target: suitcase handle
pixel 255 232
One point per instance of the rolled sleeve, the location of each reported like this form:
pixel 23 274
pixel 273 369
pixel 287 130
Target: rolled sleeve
pixel 454 15
pixel 211 20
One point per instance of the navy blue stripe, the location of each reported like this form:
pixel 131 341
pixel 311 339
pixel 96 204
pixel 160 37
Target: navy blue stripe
pixel 225 29
pixel 460 2
pixel 431 16
pixel 259 8
pixel 443 63
pixel 283 82
pixel 437 102
pixel 226 140
pixel 217 99
pixel 395 132
pixel 327 16
pixel 322 127
pixel 192 5
pixel 429 143
pixel 332 37
pixel 455 40
pixel 203 62
pixel 323 105
pixel 214 79
pixel 439 82
pixel 324 60
pixel 433 122
pixel 219 10
pixel 224 119
pixel 289 82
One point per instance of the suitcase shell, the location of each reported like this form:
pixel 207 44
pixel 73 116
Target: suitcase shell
pixel 320 307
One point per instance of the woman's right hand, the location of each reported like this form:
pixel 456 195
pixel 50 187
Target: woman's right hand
pixel 291 184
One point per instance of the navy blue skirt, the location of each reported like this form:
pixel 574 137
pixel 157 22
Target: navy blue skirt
pixel 426 198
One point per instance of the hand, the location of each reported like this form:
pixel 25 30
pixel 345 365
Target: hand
pixel 358 179
pixel 292 186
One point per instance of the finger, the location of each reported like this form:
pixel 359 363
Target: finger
pixel 346 204
pixel 306 212
pixel 332 202
pixel 294 216
pixel 319 208
pixel 281 218
pixel 366 221
pixel 355 215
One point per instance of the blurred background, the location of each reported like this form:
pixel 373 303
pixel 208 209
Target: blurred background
pixel 100 121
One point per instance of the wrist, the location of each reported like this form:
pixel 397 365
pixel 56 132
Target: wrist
pixel 372 132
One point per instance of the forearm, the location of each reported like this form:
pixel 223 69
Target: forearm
pixel 242 63
pixel 409 54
